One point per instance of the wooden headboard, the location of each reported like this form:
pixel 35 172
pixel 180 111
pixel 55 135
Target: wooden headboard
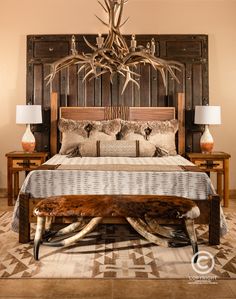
pixel 123 112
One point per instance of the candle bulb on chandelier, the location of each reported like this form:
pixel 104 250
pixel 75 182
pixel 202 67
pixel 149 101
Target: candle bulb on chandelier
pixel 73 46
pixel 153 47
pixel 133 43
pixel 99 40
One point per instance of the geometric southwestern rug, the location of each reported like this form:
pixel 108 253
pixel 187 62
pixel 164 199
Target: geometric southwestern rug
pixel 113 251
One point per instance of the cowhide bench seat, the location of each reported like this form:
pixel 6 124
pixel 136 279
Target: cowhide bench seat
pixel 141 212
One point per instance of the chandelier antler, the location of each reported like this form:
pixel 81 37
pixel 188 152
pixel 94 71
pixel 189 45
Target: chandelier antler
pixel 114 55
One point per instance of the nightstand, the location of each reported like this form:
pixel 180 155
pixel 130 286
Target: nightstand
pixel 20 161
pixel 215 162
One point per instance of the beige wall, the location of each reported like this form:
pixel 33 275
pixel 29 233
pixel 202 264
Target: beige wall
pixel 214 17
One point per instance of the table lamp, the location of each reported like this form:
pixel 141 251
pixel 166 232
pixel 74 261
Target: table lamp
pixel 28 114
pixel 207 115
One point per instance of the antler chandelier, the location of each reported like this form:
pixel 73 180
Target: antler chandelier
pixel 112 54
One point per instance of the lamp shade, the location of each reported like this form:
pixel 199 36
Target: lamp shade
pixel 207 115
pixel 28 114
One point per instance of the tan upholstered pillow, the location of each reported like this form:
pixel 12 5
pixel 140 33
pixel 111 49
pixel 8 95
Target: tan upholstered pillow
pixel 133 130
pixel 146 149
pixel 113 148
pixel 69 141
pixel 162 135
pixel 106 148
pixel 126 148
pixel 87 148
pixel 118 148
pixel 75 132
pixel 70 125
pixel 105 130
pixel 157 137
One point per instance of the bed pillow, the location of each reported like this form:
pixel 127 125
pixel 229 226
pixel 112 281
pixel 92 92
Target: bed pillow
pixel 105 130
pixel 162 135
pixel 118 148
pixel 87 148
pixel 113 148
pixel 133 130
pixel 75 132
pixel 147 149
pixel 72 132
pixel 106 148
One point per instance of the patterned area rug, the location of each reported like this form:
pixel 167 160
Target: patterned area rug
pixel 113 251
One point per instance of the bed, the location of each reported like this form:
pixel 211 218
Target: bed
pixel 172 175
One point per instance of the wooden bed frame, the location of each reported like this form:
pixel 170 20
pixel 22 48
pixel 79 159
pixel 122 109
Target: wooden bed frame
pixel 210 208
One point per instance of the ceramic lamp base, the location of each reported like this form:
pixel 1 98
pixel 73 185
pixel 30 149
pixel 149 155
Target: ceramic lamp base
pixel 206 141
pixel 28 140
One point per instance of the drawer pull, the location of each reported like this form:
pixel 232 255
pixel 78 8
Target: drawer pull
pixel 209 164
pixel 51 49
pixel 26 164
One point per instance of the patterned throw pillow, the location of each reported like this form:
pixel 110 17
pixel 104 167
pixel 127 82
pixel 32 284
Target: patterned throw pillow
pixel 105 148
pixel 118 148
pixel 113 148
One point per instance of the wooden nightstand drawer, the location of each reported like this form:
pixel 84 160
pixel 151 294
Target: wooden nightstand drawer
pixel 209 164
pixel 26 163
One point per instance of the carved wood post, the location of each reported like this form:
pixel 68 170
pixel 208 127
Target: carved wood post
pixel 214 225
pixel 181 119
pixel 54 118
pixel 24 223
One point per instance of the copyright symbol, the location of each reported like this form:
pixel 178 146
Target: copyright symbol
pixel 205 262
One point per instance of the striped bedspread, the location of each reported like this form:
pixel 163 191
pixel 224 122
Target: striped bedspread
pixel 113 175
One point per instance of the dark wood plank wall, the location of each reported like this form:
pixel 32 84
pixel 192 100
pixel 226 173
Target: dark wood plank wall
pixel 191 50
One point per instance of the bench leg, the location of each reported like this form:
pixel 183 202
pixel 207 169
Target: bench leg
pixel 214 225
pixel 142 228
pixel 87 229
pixel 189 224
pixel 167 232
pixel 72 227
pixel 38 236
pixel 24 222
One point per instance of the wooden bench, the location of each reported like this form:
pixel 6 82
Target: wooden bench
pixel 141 212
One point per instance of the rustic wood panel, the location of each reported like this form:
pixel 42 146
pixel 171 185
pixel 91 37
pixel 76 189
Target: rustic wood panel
pixel 191 50
pixel 135 113
pixel 106 90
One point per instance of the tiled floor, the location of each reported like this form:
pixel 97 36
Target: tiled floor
pixel 114 289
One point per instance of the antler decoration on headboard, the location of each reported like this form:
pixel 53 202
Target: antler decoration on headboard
pixel 113 55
